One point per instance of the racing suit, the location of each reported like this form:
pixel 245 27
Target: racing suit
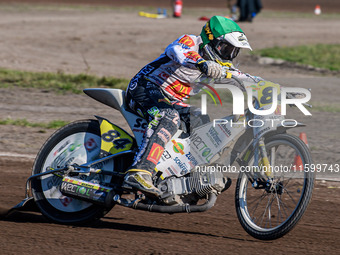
pixel 157 93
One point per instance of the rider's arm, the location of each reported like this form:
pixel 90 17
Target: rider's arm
pixel 184 51
pixel 236 73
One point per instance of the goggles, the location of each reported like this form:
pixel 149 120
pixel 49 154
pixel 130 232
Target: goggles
pixel 226 50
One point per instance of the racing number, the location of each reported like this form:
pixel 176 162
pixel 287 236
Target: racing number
pixel 121 143
pixel 111 136
pixel 267 95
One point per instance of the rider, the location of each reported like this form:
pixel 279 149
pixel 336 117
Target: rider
pixel 158 90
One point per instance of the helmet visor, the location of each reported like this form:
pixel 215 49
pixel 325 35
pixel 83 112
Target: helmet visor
pixel 226 50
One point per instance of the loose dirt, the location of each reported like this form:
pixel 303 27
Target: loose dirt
pixel 117 42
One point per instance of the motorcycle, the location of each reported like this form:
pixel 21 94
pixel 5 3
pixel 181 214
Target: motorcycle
pixel 78 173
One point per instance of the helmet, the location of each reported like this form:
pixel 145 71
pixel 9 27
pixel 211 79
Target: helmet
pixel 222 39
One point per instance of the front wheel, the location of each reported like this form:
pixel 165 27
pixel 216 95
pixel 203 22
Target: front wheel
pixel 271 210
pixel 76 143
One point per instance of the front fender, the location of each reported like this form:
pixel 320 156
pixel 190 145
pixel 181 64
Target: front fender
pixel 290 124
pixel 282 129
pixel 279 129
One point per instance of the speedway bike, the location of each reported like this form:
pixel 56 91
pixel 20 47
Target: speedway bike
pixel 78 174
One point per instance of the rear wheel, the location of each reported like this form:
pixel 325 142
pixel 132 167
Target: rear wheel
pixel 78 142
pixel 274 207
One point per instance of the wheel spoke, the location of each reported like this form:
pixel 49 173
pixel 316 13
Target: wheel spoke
pixel 284 207
pixel 267 208
pixel 280 209
pixel 263 196
pixel 288 193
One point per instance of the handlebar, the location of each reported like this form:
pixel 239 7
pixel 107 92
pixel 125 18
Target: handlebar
pixel 291 95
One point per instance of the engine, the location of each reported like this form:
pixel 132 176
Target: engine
pixel 186 189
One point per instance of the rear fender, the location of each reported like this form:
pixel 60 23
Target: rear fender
pixel 113 138
pixel 115 98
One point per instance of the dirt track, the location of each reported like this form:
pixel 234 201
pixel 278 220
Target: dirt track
pixel 118 43
pixel 126 231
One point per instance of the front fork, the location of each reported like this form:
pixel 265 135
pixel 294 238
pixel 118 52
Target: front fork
pixel 264 162
pixel 260 174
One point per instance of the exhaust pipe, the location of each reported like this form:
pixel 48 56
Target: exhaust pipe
pixel 166 208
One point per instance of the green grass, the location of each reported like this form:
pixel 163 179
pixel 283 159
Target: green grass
pixel 58 82
pixel 25 123
pixel 62 7
pixel 326 108
pixel 297 15
pixel 326 56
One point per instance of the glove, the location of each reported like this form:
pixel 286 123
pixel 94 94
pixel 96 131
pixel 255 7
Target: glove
pixel 210 69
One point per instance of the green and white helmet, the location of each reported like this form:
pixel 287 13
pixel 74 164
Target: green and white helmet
pixel 222 39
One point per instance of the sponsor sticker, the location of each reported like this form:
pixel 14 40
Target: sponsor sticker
pixel 155 153
pixel 61 148
pixel 178 147
pixel 65 201
pixel 179 89
pixel 90 144
pixel 142 182
pixel 214 136
pixel 164 75
pixel 153 111
pixel 193 55
pixel 186 40
pixel 182 165
pixel 208 31
pixel 164 135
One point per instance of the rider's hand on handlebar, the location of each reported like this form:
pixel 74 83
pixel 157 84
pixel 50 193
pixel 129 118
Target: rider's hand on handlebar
pixel 211 69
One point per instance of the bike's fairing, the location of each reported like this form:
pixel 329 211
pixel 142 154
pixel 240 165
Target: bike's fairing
pixel 208 141
pixel 204 146
pixel 115 98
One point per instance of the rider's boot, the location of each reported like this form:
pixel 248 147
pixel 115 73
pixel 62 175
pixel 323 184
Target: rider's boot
pixel 141 180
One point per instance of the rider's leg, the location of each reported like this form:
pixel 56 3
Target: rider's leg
pixel 158 133
pixel 164 123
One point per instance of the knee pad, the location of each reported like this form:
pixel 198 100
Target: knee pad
pixel 171 117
